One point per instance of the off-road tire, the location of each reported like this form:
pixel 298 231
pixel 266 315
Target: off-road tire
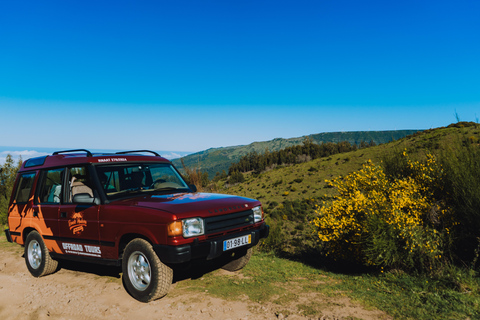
pixel 38 259
pixel 238 261
pixel 145 277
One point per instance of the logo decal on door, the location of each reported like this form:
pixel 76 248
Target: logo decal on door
pixel 76 223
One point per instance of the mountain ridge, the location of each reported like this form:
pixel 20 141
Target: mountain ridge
pixel 215 160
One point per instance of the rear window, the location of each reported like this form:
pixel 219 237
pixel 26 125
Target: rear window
pixel 24 187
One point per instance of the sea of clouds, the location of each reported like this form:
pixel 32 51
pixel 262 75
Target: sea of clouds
pixel 18 153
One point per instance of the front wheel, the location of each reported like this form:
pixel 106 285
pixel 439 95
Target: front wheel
pixel 145 277
pixel 37 257
pixel 238 260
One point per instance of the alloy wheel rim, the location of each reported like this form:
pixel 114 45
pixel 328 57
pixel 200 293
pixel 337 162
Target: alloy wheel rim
pixel 139 270
pixel 34 254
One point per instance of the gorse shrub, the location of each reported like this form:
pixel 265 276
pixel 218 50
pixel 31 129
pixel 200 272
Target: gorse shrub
pixel 397 222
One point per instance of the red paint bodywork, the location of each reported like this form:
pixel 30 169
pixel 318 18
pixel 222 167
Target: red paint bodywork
pixel 107 224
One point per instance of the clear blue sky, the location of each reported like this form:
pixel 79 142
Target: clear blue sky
pixel 190 75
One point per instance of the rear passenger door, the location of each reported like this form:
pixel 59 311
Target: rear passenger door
pixel 47 201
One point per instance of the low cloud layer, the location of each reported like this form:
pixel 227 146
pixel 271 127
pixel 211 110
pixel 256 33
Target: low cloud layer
pixel 23 154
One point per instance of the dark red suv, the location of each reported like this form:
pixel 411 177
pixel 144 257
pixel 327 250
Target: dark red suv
pixel 132 209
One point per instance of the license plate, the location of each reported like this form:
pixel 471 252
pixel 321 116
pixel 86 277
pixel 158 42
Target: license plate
pixel 237 242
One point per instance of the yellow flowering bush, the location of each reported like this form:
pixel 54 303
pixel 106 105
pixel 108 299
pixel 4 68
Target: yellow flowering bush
pixel 379 220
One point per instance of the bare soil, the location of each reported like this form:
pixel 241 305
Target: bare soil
pixel 83 292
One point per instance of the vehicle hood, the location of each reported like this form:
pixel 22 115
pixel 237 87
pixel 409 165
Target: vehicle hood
pixel 186 205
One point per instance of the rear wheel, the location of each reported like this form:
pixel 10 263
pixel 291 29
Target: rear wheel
pixel 238 260
pixel 145 277
pixel 37 257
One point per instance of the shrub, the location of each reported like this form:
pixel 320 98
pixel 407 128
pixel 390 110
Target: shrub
pixel 461 164
pixel 395 222
pixel 8 173
pixel 278 182
pixel 195 176
pixel 277 238
pixel 236 177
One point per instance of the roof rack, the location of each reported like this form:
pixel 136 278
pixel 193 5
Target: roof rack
pixel 89 154
pixel 137 151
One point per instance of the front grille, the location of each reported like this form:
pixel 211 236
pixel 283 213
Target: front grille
pixel 228 221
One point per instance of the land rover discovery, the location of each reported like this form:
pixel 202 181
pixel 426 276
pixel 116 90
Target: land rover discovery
pixel 130 209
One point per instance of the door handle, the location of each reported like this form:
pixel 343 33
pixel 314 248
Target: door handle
pixel 63 214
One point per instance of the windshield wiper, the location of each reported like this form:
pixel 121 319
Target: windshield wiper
pixel 170 189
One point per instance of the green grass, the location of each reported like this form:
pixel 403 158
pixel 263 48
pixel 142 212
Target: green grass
pixel 454 295
pixel 11 247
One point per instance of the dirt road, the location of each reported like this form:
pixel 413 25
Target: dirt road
pixel 91 292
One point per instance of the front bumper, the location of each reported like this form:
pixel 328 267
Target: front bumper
pixel 209 249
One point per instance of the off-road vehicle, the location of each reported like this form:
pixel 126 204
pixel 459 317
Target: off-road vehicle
pixel 130 209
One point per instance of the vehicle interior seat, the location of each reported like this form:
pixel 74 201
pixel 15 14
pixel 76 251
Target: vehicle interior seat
pixel 78 186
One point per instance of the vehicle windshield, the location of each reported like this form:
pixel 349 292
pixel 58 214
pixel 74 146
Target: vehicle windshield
pixel 122 180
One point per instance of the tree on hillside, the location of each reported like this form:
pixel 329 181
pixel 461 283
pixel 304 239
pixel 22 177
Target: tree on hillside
pixel 8 173
pixel 309 150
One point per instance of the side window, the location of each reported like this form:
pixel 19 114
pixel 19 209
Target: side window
pixel 24 187
pixel 51 186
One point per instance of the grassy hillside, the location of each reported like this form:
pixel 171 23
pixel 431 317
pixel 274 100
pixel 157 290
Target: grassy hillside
pixel 291 194
pixel 217 159
pixel 307 180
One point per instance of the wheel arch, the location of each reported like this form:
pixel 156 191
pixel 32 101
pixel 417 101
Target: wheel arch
pixel 126 238
pixel 26 232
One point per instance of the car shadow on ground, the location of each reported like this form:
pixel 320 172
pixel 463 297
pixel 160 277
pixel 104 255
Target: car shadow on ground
pixel 191 270
pixel 93 268
pixel 195 269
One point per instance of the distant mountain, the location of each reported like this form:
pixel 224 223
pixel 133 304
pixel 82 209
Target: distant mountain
pixel 217 159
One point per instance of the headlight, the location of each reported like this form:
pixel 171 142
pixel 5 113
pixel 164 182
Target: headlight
pixel 257 214
pixel 193 227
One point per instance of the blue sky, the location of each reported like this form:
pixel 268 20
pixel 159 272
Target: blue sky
pixel 191 75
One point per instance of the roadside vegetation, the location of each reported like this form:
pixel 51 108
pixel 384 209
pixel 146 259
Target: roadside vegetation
pixel 403 214
pixel 395 227
pixel 8 172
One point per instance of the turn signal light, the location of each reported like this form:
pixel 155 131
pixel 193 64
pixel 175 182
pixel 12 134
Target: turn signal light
pixel 175 229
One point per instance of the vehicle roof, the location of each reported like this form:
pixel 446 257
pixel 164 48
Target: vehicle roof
pixel 83 156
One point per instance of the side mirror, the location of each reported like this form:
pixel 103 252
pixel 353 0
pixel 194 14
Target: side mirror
pixel 85 198
pixel 193 188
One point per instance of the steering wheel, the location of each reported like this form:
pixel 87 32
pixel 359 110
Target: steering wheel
pixel 158 181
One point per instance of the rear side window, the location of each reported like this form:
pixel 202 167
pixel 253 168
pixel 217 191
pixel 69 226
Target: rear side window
pixel 24 187
pixel 51 186
pixel 79 182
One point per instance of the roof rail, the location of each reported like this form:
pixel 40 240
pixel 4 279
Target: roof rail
pixel 136 151
pixel 89 154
